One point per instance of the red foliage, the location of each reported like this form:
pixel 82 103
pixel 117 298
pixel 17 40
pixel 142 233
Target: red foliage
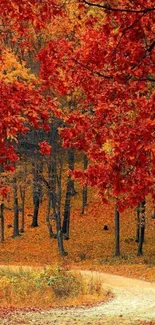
pixel 45 148
pixel 115 69
pixel 111 63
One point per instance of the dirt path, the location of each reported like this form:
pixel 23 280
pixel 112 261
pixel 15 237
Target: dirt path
pixel 134 301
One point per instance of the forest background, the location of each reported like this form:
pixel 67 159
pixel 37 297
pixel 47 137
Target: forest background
pixel 77 140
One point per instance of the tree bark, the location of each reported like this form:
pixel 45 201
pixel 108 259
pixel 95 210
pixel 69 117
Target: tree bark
pixel 117 232
pixel 22 195
pixel 36 210
pixel 85 188
pixel 2 221
pixel 51 234
pixel 23 213
pixel 71 162
pixel 36 194
pixel 16 209
pixel 60 235
pixel 67 208
pixel 138 221
pixel 141 228
pixel 53 165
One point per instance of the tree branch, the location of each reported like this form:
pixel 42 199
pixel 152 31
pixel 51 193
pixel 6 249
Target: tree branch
pixel 92 71
pixel 109 8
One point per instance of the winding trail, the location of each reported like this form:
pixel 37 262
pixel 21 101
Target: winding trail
pixel 134 301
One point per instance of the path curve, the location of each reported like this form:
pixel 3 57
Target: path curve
pixel 134 301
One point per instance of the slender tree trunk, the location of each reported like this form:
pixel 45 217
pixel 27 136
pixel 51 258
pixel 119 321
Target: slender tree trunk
pixel 141 228
pixel 16 209
pixel 22 195
pixel 2 221
pixel 23 213
pixel 60 235
pixel 36 195
pixel 52 177
pixel 51 234
pixel 52 171
pixel 40 173
pixel 117 232
pixel 85 188
pixel 138 221
pixel 67 208
pixel 59 184
pixel 36 210
pixel 53 166
pixel 71 162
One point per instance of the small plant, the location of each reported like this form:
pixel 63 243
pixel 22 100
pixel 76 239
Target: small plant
pixel 48 287
pixel 64 286
pixel 62 283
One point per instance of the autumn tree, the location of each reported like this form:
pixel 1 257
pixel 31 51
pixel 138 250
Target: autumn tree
pixel 102 56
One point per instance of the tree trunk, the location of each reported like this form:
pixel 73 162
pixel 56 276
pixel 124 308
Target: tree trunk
pixel 37 189
pixel 36 210
pixel 40 173
pixel 138 221
pixel 52 179
pixel 66 220
pixel 60 235
pixel 22 195
pixel 59 184
pixel 16 209
pixel 141 228
pixel 52 172
pixel 23 214
pixel 51 234
pixel 117 232
pixel 53 166
pixel 85 188
pixel 71 162
pixel 2 221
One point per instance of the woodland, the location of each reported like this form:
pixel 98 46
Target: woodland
pixel 77 134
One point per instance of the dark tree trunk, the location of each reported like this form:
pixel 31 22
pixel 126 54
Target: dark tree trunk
pixel 67 208
pixel 60 235
pixel 138 221
pixel 2 221
pixel 53 166
pixel 37 190
pixel 16 210
pixel 85 188
pixel 40 173
pixel 23 215
pixel 71 162
pixel 59 184
pixel 51 234
pixel 141 228
pixel 70 190
pixel 36 210
pixel 22 195
pixel 52 177
pixel 117 232
pixel 52 174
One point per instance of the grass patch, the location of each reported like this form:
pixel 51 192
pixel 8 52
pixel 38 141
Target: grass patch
pixel 48 288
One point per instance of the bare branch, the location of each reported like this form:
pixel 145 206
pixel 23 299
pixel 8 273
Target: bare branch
pixel 109 8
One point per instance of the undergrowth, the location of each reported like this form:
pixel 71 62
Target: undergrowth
pixel 47 288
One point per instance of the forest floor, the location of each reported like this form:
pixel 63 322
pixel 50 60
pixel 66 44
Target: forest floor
pixel 91 248
pixel 133 303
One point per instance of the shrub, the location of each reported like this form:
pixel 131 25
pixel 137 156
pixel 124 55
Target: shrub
pixel 50 287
